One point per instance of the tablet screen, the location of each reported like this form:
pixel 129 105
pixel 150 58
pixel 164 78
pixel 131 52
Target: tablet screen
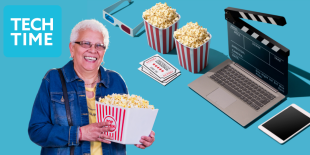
pixel 287 123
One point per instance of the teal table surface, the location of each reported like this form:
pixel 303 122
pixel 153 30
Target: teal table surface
pixel 186 123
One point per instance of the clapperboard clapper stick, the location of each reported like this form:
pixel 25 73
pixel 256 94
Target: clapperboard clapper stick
pixel 233 14
pixel 244 37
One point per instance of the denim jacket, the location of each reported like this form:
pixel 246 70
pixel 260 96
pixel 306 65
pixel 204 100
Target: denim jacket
pixel 48 126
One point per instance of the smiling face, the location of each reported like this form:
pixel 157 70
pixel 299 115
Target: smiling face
pixel 87 59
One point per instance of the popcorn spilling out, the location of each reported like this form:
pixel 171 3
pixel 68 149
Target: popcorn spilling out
pixel 126 101
pixel 161 15
pixel 192 35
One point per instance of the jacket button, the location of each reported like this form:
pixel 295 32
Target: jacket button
pixel 100 85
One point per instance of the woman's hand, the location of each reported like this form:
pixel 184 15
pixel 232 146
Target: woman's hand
pixel 94 132
pixel 146 141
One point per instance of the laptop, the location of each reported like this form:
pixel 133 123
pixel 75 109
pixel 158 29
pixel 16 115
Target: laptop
pixel 255 78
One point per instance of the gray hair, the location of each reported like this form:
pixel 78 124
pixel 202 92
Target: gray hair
pixel 93 25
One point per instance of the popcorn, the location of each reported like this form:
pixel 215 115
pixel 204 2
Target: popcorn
pixel 126 101
pixel 192 35
pixel 161 15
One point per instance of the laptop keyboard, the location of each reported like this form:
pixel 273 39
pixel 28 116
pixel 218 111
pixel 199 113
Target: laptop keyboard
pixel 248 91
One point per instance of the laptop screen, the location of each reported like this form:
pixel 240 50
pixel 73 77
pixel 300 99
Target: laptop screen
pixel 256 57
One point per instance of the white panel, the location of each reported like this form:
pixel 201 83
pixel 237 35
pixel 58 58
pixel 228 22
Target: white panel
pixel 254 35
pixel 186 58
pixel 138 122
pixel 275 48
pixel 192 59
pixel 167 39
pixel 181 54
pixel 150 35
pixel 262 18
pixel 243 15
pixel 198 57
pixel 245 29
pixel 265 42
pixel 155 38
pixel 272 21
pixel 161 38
pixel 252 16
pixel 172 39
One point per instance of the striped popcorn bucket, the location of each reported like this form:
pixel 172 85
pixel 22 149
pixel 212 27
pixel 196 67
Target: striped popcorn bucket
pixel 161 40
pixel 125 121
pixel 115 116
pixel 193 59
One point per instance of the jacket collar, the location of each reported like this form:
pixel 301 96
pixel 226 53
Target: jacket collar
pixel 70 75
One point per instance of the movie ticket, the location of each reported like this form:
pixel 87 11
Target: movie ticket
pixel 153 76
pixel 161 69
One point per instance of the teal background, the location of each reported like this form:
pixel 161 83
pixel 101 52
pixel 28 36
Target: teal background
pixel 32 11
pixel 186 123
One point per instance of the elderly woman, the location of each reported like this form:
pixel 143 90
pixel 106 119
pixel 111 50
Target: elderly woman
pixel 86 80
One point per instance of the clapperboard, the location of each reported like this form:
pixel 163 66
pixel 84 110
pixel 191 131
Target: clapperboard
pixel 254 50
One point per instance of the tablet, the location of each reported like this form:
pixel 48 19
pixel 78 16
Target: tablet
pixel 286 123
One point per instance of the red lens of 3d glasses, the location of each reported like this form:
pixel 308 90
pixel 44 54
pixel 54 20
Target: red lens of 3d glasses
pixel 125 28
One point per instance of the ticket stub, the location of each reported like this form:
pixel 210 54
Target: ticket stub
pixel 153 76
pixel 161 68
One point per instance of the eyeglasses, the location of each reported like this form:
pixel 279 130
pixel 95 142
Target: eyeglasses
pixel 87 44
pixel 114 21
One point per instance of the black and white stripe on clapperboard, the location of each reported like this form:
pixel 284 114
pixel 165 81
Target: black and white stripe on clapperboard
pixel 268 50
pixel 233 14
pixel 159 69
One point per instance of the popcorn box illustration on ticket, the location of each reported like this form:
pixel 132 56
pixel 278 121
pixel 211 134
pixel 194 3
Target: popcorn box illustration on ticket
pixel 192 43
pixel 160 22
pixel 129 124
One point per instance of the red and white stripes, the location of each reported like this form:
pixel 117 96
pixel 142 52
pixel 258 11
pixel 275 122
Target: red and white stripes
pixel 115 115
pixel 161 40
pixel 193 59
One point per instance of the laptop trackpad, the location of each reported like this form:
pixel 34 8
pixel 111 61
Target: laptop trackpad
pixel 221 97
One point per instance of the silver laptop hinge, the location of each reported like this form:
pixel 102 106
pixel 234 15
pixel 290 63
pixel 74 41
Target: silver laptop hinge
pixel 257 79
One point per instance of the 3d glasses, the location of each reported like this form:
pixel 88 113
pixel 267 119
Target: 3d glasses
pixel 114 21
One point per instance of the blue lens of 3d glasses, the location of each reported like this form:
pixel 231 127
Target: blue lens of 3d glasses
pixel 109 18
